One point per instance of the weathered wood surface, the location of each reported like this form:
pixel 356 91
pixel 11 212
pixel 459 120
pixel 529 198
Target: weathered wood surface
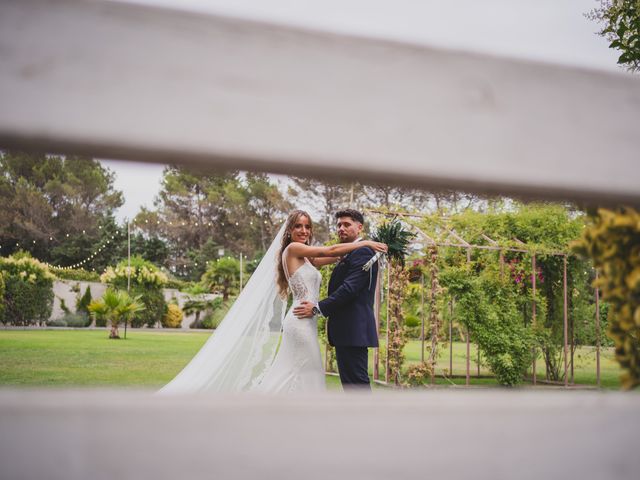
pixel 480 434
pixel 135 82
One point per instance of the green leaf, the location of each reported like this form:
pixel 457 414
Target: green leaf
pixel 624 58
pixel 621 29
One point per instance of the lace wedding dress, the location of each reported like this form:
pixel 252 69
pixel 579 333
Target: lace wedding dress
pixel 298 363
pixel 256 347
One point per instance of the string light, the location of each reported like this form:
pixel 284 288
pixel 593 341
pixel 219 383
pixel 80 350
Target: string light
pixel 133 224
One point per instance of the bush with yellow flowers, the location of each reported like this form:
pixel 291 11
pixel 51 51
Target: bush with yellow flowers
pixel 173 317
pixel 613 243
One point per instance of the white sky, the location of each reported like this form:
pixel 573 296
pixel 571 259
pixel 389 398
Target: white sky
pixel 553 31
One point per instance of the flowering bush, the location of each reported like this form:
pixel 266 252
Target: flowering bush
pixel 173 317
pixel 418 374
pixel 521 273
pixel 147 282
pixel 79 274
pixel 28 295
pixel 141 272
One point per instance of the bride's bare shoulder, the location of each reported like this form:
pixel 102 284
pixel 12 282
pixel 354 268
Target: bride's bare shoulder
pixel 294 249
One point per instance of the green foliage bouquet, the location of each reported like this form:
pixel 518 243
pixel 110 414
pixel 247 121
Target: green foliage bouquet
pixel 397 239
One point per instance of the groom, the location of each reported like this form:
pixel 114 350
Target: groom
pixel 351 325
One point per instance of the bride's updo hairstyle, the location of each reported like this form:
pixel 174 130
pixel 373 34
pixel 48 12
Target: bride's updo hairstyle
pixel 283 284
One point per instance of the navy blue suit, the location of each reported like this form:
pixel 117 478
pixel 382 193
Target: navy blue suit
pixel 351 325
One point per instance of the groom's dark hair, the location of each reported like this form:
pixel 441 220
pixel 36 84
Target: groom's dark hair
pixel 353 214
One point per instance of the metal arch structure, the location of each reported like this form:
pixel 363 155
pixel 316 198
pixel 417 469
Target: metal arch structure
pixel 136 82
pixel 433 239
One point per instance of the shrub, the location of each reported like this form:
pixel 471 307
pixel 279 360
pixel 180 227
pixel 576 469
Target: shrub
pixel 209 322
pixel 28 295
pixel 63 306
pixel 216 313
pixel 141 273
pixel 58 322
pixel 173 317
pixel 155 307
pixel 487 306
pixel 178 284
pixel 82 305
pixel 77 320
pixel 411 320
pixel 418 374
pixel 415 332
pixel 78 275
pixel 74 320
pixel 146 282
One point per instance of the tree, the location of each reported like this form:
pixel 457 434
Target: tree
pixel 327 197
pixel 223 275
pixel 198 213
pixel 82 305
pixel 612 240
pixel 268 206
pixel 621 19
pixel 116 306
pixel 59 208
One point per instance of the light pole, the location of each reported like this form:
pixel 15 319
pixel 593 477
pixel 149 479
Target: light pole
pixel 128 270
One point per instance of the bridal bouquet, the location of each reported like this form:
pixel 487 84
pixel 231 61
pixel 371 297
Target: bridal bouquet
pixel 397 239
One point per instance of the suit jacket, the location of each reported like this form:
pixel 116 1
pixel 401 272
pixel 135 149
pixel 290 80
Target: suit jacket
pixel 349 306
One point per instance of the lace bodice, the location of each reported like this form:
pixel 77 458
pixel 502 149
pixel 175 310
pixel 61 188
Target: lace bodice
pixel 305 283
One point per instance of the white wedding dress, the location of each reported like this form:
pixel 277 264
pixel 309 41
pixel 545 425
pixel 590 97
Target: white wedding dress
pixel 298 364
pixel 257 347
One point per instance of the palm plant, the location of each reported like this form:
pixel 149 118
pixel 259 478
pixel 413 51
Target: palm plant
pixel 222 275
pixel 116 306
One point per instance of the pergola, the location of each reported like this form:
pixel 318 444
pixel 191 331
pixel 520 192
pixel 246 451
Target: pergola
pixel 452 239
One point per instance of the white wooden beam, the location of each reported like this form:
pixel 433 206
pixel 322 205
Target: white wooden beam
pixel 142 83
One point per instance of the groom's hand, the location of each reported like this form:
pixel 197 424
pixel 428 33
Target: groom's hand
pixel 304 310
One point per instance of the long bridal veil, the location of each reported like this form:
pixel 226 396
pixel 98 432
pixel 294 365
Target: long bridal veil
pixel 242 348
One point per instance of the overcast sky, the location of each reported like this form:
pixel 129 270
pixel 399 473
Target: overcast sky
pixel 553 31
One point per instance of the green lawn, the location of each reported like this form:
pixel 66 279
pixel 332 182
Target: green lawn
pixel 584 368
pixel 89 358
pixel 149 359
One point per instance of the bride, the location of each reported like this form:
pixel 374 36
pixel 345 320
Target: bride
pixel 243 353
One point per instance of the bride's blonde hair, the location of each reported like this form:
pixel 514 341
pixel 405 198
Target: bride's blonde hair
pixel 283 284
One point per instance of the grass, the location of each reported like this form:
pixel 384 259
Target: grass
pixel 88 358
pixel 149 359
pixel 584 368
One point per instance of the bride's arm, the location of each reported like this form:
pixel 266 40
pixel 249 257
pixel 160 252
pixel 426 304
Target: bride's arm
pixel 338 250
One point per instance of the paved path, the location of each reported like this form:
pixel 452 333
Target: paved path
pixel 480 434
